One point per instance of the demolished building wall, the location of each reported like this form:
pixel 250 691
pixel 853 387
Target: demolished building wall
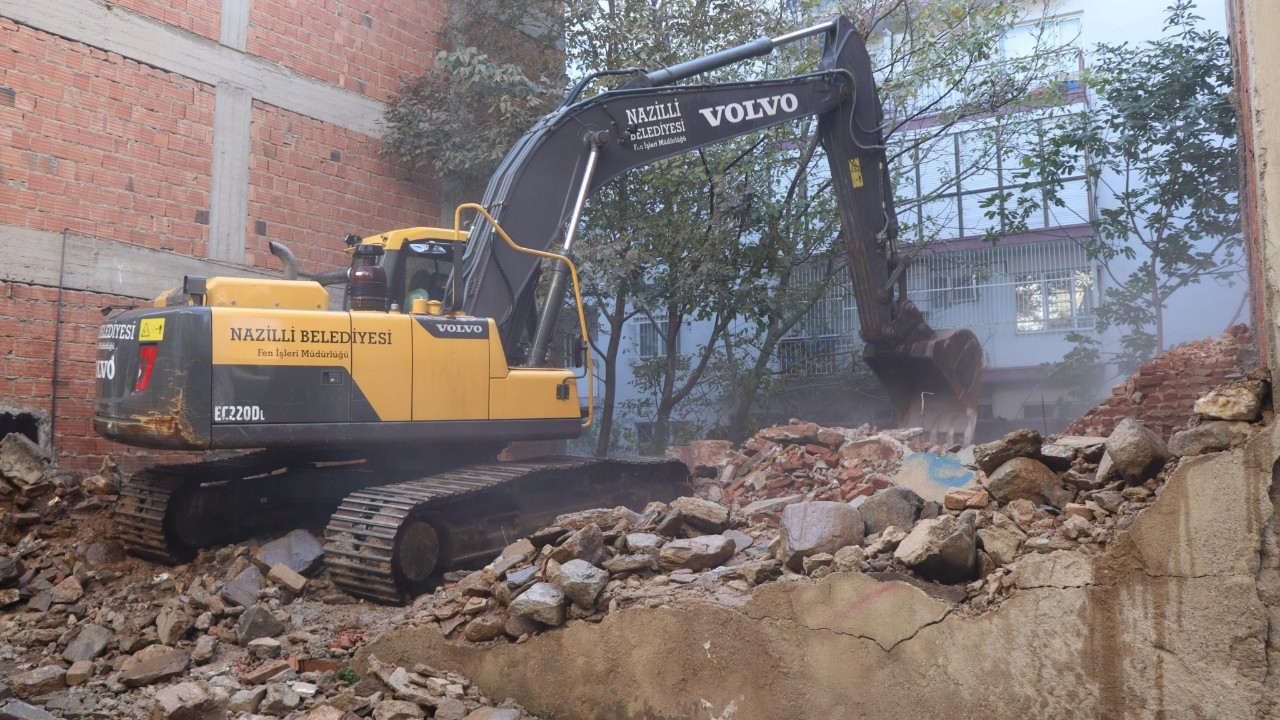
pixel 1172 621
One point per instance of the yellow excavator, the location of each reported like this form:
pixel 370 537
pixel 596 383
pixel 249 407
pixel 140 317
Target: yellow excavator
pixel 390 411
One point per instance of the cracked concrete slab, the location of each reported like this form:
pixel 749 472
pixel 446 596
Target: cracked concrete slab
pixel 851 604
pixel 1169 622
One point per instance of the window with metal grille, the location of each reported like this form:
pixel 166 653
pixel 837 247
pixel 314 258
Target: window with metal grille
pixel 1054 300
pixel 651 338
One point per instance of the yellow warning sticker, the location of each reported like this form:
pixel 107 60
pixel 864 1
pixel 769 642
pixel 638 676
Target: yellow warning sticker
pixel 855 171
pixel 151 330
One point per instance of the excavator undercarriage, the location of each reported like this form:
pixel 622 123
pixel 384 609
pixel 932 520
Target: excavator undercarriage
pixel 388 531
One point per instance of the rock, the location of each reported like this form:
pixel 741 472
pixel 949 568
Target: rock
pixel 11 569
pixel 1022 512
pixel 188 701
pixel 799 433
pixel 18 710
pixel 246 701
pixel 265 672
pixel 67 591
pixel 9 597
pixel 279 700
pixel 1077 510
pixel 877 448
pixel 79 672
pixel 543 602
pixel 886 541
pixel 477 584
pixel 41 681
pixel 1107 472
pixel 287 578
pixel 1001 545
pixel 152 664
pixel 706 456
pixel 585 544
pixel 1240 400
pixel 636 562
pixel 582 582
pixel 173 623
pixel 697 553
pixel 22 462
pixel 644 542
pixel 1136 452
pixel 517 626
pixel 943 549
pixel 104 553
pixel 300 551
pixel 1108 500
pixel 815 563
pixel 1019 443
pixel 767 506
pixel 817 527
pixel 702 514
pixel 850 559
pixel 265 648
pixel 1022 478
pixel 487 626
pixel 893 506
pixel 88 644
pixel 326 712
pixel 450 709
pixel 1076 527
pixel 1207 437
pixel 1087 448
pixel 932 476
pixel 100 485
pixel 397 710
pixel 741 540
pixel 604 518
pixel 257 622
pixel 244 589
pixel 1057 457
pixel 205 647
pixel 489 713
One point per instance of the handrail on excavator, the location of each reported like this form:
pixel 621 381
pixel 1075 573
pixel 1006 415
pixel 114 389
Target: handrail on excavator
pixel 573 274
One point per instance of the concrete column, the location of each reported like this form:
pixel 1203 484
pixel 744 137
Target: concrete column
pixel 234 28
pixel 229 194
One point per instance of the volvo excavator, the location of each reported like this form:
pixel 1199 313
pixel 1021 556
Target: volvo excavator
pixel 392 410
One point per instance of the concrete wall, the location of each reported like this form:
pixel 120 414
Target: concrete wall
pixel 1171 621
pixel 171 137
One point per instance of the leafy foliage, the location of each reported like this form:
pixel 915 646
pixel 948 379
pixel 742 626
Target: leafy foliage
pixel 1158 149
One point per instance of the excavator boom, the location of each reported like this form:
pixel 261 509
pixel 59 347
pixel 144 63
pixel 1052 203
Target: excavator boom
pixel 541 185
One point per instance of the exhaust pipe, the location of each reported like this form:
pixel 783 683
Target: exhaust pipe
pixel 286 257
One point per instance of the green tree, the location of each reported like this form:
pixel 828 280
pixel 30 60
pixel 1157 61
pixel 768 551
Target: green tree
pixel 724 235
pixel 1158 149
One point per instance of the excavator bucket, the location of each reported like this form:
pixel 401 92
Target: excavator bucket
pixel 934 383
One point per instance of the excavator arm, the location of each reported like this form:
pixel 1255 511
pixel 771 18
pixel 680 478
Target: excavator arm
pixel 538 191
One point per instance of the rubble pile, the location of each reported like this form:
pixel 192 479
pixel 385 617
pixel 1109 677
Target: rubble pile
pixel 782 515
pixel 1160 394
pixel 256 630
pixel 244 631
pixel 797 462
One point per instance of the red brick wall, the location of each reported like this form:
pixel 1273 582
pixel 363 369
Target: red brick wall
pixel 1162 392
pixel 101 145
pixel 110 148
pixel 310 201
pixel 201 17
pixel 366 46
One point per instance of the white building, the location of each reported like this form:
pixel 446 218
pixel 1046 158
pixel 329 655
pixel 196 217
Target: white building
pixel 1021 297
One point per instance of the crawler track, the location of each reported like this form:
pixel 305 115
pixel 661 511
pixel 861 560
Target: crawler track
pixel 389 534
pixel 384 542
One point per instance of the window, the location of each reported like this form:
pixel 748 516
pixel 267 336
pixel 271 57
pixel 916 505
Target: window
pixel 1054 300
pixel 824 340
pixel 651 338
pixel 950 183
